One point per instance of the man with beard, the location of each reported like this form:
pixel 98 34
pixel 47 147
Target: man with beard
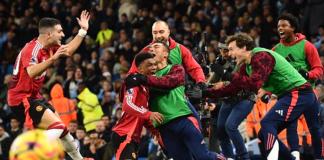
pixel 303 56
pixel 180 133
pixel 178 55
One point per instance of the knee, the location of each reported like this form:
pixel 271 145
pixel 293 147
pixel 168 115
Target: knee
pixel 230 126
pixel 221 133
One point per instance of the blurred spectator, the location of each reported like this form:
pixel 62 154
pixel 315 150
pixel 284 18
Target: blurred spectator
pixel 71 83
pixel 127 7
pixel 105 35
pixel 63 106
pixel 89 106
pixel 102 131
pixel 320 37
pixel 124 24
pixel 3 89
pixel 5 142
pixel 80 135
pixel 72 127
pixel 15 128
pixel 107 122
pixel 92 78
pixel 95 148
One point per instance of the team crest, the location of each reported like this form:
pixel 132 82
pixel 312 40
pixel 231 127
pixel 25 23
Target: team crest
pixel 39 108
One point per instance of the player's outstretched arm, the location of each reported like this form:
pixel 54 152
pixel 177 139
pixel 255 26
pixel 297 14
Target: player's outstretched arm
pixel 37 69
pixel 84 26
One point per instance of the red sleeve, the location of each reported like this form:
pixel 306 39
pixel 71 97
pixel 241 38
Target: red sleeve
pixel 262 65
pixel 149 125
pixel 316 70
pixel 174 78
pixel 191 66
pixel 26 58
pixel 130 107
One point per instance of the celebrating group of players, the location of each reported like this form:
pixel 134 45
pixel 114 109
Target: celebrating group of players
pixel 154 95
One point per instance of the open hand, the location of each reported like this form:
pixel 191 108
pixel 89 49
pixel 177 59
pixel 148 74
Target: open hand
pixel 84 20
pixel 156 116
pixel 62 51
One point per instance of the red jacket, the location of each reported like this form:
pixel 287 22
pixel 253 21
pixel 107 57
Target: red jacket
pixel 135 113
pixel 189 63
pixel 312 56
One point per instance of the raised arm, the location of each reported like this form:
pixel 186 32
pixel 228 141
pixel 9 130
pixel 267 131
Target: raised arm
pixel 175 78
pixel 77 40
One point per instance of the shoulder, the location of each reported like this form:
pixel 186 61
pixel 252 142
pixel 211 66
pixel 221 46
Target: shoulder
pixel 31 46
pixel 308 44
pixel 262 57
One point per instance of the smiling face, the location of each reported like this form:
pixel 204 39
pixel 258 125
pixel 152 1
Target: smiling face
pixel 239 54
pixel 285 29
pixel 160 31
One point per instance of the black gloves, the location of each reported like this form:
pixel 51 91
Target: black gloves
pixel 304 73
pixel 194 93
pixel 134 80
pixel 266 98
pixel 197 92
pixel 202 85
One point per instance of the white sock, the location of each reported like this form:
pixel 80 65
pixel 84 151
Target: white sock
pixel 54 133
pixel 296 154
pixel 71 147
pixel 274 153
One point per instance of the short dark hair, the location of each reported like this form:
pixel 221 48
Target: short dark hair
pixel 141 57
pixel 293 21
pixel 47 22
pixel 242 39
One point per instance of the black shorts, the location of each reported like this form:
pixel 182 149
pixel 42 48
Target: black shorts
pixel 36 110
pixel 130 151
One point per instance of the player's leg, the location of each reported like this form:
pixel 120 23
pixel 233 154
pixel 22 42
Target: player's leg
pixel 130 151
pixel 238 114
pixel 195 113
pixel 223 137
pixel 293 139
pixel 121 147
pixel 173 144
pixel 191 136
pixel 43 116
pixel 312 118
pixel 285 111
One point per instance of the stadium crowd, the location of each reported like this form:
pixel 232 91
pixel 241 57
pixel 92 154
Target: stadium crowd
pixel 84 88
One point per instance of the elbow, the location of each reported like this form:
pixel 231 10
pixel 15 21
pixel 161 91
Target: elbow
pixel 70 51
pixel 30 73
